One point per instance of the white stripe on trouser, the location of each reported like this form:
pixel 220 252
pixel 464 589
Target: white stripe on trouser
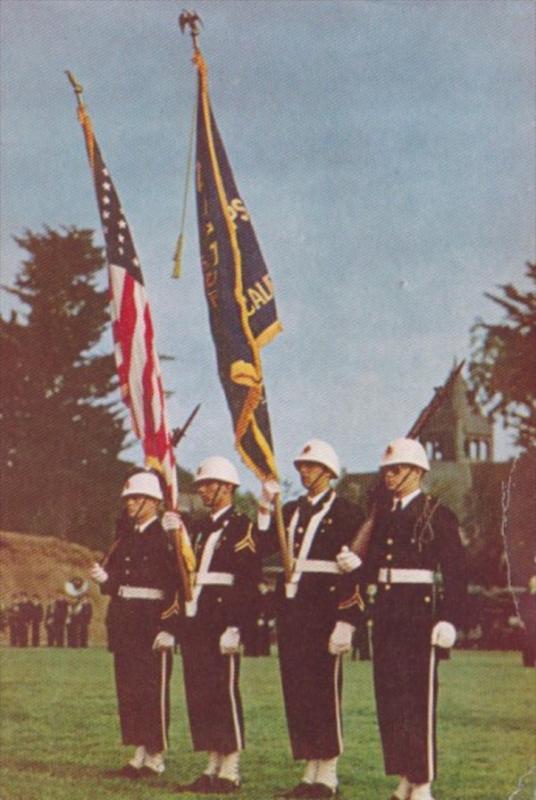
pixel 236 721
pixel 337 704
pixel 431 710
pixel 163 675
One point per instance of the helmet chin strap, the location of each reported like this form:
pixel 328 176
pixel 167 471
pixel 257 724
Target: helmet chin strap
pixel 314 483
pixel 402 481
pixel 216 497
pixel 138 512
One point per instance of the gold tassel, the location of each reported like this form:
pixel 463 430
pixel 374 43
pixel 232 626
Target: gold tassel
pixel 177 258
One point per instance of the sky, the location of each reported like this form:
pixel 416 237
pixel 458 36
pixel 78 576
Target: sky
pixel 385 152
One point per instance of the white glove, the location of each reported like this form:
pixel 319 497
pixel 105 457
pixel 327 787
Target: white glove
pixel 347 561
pixel 340 640
pixel 171 521
pixel 443 634
pixel 230 641
pixel 164 641
pixel 98 574
pixel 269 491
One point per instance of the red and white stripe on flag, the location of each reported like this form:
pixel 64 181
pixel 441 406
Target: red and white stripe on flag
pixel 135 352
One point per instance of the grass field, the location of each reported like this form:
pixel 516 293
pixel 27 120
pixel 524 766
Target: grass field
pixel 59 730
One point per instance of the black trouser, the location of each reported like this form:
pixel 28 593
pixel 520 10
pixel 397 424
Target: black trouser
pixel 36 634
pixel 22 639
pixel 59 634
pixel 405 684
pixel 73 634
pixel 142 684
pixel 50 635
pixel 312 685
pixel 83 635
pixel 212 691
pixel 13 634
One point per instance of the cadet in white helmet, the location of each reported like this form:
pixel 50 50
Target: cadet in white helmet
pixel 140 574
pixel 224 588
pixel 413 538
pixel 316 614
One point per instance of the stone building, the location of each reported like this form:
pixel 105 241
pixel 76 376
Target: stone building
pixel 458 431
pixel 458 440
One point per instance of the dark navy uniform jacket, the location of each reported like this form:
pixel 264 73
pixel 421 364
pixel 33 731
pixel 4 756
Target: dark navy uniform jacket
pixel 235 553
pixel 321 598
pixel 423 535
pixel 146 560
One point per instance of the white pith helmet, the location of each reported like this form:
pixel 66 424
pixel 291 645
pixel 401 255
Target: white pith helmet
pixel 405 451
pixel 144 483
pixel 217 468
pixel 318 452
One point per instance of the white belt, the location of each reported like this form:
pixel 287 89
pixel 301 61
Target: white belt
pixel 316 565
pixel 214 579
pixel 140 593
pixel 388 575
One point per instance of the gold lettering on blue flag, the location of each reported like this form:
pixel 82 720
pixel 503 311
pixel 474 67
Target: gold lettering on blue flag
pixel 238 288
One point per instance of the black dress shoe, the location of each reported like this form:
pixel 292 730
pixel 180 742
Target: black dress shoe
pixel 204 784
pixel 225 786
pixel 322 790
pixel 128 771
pixel 302 789
pixel 147 772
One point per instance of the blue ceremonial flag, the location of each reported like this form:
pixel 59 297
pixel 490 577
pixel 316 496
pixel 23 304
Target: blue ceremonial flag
pixel 238 288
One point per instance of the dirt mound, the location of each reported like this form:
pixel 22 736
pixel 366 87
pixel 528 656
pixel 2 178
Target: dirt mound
pixel 41 565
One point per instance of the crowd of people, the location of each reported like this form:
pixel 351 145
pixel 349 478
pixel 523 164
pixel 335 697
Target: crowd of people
pixel 320 611
pixel 65 619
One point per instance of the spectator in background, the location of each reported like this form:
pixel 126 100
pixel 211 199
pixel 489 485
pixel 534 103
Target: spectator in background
pixel 25 619
pixel 3 617
pixel 84 620
pixel 49 623
pixel 13 620
pixel 73 625
pixel 61 609
pixel 36 620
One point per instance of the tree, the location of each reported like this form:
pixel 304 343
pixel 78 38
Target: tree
pixel 503 365
pixel 61 433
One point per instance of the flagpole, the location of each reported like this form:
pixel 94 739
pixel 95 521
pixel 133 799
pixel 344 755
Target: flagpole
pixel 282 538
pixel 191 20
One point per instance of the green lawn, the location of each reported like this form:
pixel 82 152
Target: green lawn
pixel 60 733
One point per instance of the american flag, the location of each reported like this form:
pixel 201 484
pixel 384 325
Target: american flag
pixel 135 352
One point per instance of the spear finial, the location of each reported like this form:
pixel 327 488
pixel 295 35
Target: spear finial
pixel 192 20
pixel 78 88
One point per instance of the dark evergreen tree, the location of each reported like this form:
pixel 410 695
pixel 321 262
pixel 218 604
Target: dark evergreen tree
pixel 61 433
pixel 503 365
